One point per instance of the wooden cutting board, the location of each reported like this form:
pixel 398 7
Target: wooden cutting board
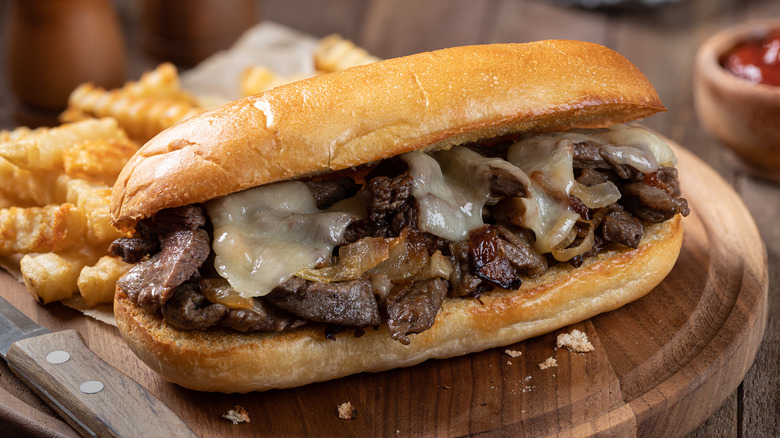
pixel 661 366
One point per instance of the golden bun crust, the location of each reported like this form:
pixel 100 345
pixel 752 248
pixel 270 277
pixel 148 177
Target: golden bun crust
pixel 225 361
pixel 368 113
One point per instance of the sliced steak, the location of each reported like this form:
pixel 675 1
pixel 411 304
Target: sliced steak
pixel 264 317
pixel 587 155
pixel 188 309
pixel 521 254
pixel 504 183
pixel 189 217
pixel 592 177
pixel 650 203
pixel 133 249
pixel 488 259
pixel 348 303
pixel 328 192
pixel 388 195
pixel 412 307
pixel 620 227
pixel 182 253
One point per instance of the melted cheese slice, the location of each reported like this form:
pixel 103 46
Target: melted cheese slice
pixel 264 235
pixel 451 187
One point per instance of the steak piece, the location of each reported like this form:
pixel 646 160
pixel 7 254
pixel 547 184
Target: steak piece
pixel 650 203
pixel 187 309
pixel 587 155
pixel 388 195
pixel 133 249
pixel 328 192
pixel 188 217
pixel 412 307
pixel 620 227
pixel 348 303
pixel 503 183
pixel 521 254
pixel 488 260
pixel 264 317
pixel 181 255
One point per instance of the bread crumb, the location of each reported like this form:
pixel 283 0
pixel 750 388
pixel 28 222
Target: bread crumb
pixel 575 341
pixel 548 363
pixel 347 411
pixel 237 415
pixel 513 353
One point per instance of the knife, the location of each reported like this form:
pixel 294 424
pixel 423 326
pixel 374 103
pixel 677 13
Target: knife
pixel 92 396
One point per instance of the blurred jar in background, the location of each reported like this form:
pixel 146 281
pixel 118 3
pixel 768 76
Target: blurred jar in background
pixel 186 32
pixel 55 45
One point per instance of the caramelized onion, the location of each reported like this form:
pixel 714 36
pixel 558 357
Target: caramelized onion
pixel 219 291
pixel 562 252
pixel 401 258
pixel 354 259
pixel 598 196
pixel 438 266
pixel 406 258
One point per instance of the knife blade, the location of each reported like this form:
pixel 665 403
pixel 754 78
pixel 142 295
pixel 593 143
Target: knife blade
pixel 91 395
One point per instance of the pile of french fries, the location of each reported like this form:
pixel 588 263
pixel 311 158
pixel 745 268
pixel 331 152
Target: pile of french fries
pixel 55 183
pixel 55 192
pixel 331 53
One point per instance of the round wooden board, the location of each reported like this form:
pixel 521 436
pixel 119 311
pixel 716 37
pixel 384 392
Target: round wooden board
pixel 661 365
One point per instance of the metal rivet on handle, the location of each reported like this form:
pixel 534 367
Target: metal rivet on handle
pixel 91 386
pixel 58 357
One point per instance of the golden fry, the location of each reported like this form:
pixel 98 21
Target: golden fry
pixel 258 79
pixel 41 149
pixel 162 82
pixel 27 188
pixel 98 160
pixel 334 53
pixel 97 283
pixel 92 201
pixel 40 229
pixel 53 277
pixel 141 117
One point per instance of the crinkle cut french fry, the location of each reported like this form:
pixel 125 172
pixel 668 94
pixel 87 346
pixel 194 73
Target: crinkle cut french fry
pixel 42 149
pixel 53 277
pixel 93 202
pixel 98 160
pixel 258 79
pixel 334 53
pixel 141 117
pixel 97 283
pixel 27 188
pixel 162 82
pixel 40 229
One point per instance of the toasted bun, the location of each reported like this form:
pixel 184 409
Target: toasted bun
pixel 226 361
pixel 430 100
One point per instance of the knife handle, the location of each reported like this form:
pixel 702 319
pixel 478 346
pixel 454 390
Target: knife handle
pixel 91 395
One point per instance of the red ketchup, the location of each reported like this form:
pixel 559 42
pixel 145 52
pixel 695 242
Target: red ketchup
pixel 757 61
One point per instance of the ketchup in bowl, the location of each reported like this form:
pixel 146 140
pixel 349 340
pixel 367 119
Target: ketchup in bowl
pixel 757 61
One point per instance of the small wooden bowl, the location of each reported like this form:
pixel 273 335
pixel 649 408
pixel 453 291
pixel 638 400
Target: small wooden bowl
pixel 743 115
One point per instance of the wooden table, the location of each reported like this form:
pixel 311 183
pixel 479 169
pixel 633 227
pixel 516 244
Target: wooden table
pixel 661 41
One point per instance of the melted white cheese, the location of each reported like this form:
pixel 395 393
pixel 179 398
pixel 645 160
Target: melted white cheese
pixel 264 235
pixel 451 187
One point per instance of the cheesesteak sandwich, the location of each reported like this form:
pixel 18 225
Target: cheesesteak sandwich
pixel 421 207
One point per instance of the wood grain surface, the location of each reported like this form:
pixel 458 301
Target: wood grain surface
pixel 661 365
pixel 662 42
